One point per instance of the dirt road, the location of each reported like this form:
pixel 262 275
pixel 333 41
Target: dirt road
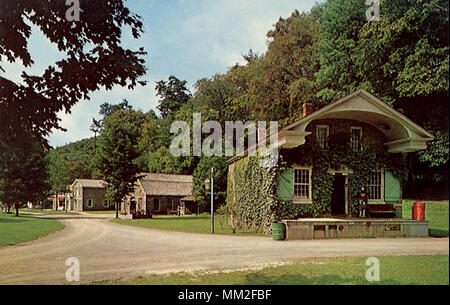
pixel 107 251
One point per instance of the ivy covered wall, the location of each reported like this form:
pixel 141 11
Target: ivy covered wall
pixel 256 196
pixel 251 195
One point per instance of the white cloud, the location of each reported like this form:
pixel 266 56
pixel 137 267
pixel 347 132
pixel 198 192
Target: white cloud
pixel 231 28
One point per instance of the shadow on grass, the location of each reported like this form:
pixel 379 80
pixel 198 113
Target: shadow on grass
pixel 12 219
pixel 438 233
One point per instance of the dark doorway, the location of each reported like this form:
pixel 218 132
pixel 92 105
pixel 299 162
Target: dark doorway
pixel 338 198
pixel 132 207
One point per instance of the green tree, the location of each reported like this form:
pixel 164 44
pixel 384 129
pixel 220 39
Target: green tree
pixel 404 58
pixel 213 94
pixel 203 172
pixel 340 24
pixel 173 94
pixel 57 173
pixel 405 54
pixel 77 169
pixel 163 161
pixel 118 151
pixel 273 86
pixel 93 57
pixel 23 169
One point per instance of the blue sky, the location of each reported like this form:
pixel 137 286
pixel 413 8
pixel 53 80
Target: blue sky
pixel 190 39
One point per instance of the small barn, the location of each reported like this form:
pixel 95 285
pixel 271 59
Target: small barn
pixel 156 193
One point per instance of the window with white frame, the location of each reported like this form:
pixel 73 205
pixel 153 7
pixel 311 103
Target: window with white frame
pixel 302 184
pixel 105 203
pixel 90 203
pixel 170 203
pixel 156 205
pixel 322 136
pixel 355 138
pixel 375 185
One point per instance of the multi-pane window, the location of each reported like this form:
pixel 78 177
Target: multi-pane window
pixel 355 138
pixel 105 203
pixel 322 135
pixel 375 185
pixel 90 203
pixel 302 183
pixel 170 203
pixel 156 204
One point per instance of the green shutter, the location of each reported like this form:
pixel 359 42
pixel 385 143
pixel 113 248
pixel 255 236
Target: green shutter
pixel 285 189
pixel 391 187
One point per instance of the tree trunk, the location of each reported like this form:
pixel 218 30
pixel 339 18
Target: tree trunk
pixel 117 210
pixel 17 209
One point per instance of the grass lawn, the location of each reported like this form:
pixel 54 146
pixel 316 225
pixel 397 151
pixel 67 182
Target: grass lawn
pixel 436 212
pixel 191 223
pixel 45 211
pixel 14 230
pixel 394 270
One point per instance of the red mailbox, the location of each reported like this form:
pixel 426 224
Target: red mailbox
pixel 418 212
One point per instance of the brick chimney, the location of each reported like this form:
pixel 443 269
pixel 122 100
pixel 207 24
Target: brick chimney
pixel 308 108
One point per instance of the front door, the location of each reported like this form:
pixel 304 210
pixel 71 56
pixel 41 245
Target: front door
pixel 338 198
pixel 132 207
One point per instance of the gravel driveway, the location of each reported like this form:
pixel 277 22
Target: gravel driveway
pixel 108 250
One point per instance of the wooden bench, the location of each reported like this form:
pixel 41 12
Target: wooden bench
pixel 380 211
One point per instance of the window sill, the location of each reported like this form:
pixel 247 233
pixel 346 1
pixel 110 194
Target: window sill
pixel 376 201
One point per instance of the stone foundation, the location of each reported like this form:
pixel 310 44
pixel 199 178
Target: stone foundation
pixel 330 228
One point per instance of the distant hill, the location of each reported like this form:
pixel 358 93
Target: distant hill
pixel 80 150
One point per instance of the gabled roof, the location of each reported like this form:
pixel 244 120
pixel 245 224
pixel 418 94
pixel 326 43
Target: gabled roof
pixel 89 183
pixel 362 102
pixel 402 134
pixel 166 184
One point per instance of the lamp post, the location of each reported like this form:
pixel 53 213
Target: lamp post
pixel 211 188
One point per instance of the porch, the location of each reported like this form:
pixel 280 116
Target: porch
pixel 347 227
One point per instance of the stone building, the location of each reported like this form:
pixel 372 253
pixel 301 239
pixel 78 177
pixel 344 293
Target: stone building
pixel 87 195
pixel 161 194
pixel 337 154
